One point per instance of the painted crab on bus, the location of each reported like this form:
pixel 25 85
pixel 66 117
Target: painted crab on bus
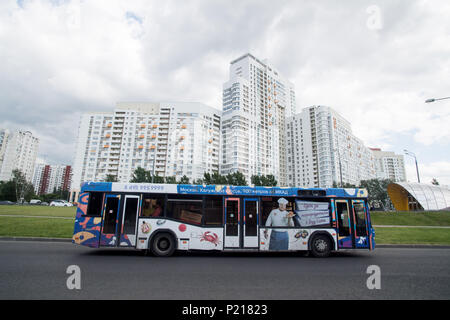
pixel 210 237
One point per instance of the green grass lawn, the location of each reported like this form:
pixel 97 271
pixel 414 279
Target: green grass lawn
pixel 36 227
pixel 412 236
pixel 423 218
pixel 38 211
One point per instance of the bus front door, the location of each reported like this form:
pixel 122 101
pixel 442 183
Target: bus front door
pixel 241 224
pixel 110 220
pixel 361 229
pixel 353 230
pixel 129 220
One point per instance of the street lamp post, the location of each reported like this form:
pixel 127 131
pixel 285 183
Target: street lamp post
pixel 433 100
pixel 409 153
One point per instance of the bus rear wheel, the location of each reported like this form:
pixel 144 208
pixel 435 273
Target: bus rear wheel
pixel 163 245
pixel 320 246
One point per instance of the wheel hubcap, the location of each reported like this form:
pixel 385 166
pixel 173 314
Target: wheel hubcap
pixel 321 245
pixel 163 244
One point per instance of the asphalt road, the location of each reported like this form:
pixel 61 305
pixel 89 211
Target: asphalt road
pixel 37 270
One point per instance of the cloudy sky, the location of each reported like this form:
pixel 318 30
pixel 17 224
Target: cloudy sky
pixel 375 62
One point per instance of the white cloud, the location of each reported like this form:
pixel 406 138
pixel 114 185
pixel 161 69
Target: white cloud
pixel 60 58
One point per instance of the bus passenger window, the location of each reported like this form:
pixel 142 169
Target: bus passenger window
pixel 185 208
pixel 95 204
pixel 213 211
pixel 152 206
pixel 313 212
pixel 272 204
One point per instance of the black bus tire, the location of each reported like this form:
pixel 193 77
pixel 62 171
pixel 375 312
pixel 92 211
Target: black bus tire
pixel 320 246
pixel 163 245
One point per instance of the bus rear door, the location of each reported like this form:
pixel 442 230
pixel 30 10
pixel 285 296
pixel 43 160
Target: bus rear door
pixel 241 223
pixel 129 220
pixel 361 228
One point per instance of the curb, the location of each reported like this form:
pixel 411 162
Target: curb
pixel 35 239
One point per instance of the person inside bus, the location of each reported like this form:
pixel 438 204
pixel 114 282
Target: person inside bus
pixel 279 238
pixel 157 210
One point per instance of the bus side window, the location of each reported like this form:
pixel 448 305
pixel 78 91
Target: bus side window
pixel 95 204
pixel 271 203
pixel 267 205
pixel 213 211
pixel 185 208
pixel 152 206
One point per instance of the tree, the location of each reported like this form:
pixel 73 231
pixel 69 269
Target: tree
pixel 348 185
pixel 236 179
pixel 184 180
pixel 262 180
pixel 110 178
pixel 255 180
pixel 24 190
pixel 156 179
pixel 207 179
pixel 171 180
pixel 217 178
pixel 434 182
pixel 269 180
pixel 140 175
pixel 8 191
pixel 377 190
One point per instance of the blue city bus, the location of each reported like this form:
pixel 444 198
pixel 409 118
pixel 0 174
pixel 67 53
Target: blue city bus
pixel 162 218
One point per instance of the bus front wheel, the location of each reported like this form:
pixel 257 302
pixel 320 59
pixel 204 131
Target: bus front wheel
pixel 320 246
pixel 163 245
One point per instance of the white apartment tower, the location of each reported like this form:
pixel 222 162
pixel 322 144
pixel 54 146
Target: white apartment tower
pixel 256 102
pixel 18 150
pixel 389 165
pixel 322 150
pixel 166 138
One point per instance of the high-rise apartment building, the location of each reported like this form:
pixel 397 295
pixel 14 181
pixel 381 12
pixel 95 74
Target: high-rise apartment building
pixel 18 150
pixel 322 150
pixel 389 165
pixel 50 178
pixel 4 134
pixel 165 138
pixel 256 101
